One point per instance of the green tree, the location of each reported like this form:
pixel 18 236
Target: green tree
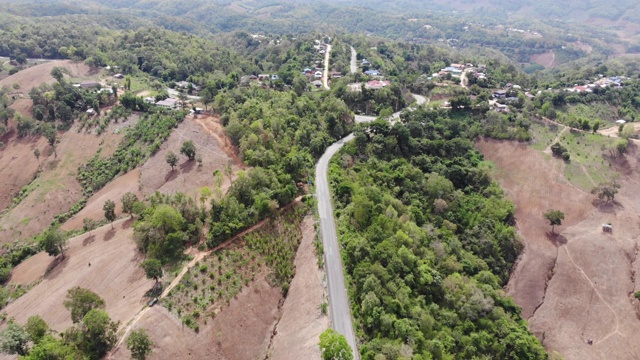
pixel 57 73
pixel 109 208
pixel 188 149
pixel 152 268
pixel 51 134
pixel 14 340
pixel 128 200
pixel 88 224
pixel 554 217
pixel 172 159
pixel 205 193
pixel 207 97
pixel 37 328
pixel 99 334
pixel 53 242
pixel 127 82
pixel 596 126
pixel 334 346
pixel 80 301
pixel 51 348
pixel 36 153
pixel 140 344
pixel 606 191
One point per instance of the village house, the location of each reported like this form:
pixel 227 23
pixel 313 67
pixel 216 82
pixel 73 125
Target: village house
pixel 317 83
pixel 499 94
pixel 90 84
pixel 264 77
pixel 376 84
pixel 336 74
pixel 372 73
pixel 118 76
pixel 169 103
pixel 317 74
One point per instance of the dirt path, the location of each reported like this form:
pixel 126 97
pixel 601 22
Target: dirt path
pixel 586 277
pixel 196 257
pixel 325 73
pixel 576 287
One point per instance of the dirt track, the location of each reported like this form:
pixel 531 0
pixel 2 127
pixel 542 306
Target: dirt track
pixel 577 285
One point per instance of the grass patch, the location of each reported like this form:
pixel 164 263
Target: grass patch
pixel 543 134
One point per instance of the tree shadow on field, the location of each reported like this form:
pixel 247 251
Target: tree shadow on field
pixel 187 166
pixel 127 223
pixel 56 266
pixel 608 207
pixel 171 175
pixel 109 234
pixel 89 240
pixel 556 239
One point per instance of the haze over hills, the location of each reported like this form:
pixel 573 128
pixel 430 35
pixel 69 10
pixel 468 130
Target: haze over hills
pixel 471 168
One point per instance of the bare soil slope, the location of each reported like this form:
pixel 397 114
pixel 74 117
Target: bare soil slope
pixel 299 329
pixel 188 177
pixel 241 331
pixel 576 286
pixel 36 75
pixel 114 274
pixel 56 189
pixel 18 165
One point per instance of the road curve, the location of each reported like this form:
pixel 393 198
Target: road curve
pixel 341 319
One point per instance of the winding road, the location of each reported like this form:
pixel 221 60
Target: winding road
pixel 341 319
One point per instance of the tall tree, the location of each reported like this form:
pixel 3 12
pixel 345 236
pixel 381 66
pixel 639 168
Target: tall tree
pixel 554 217
pixel 109 208
pixel 99 333
pixel 14 340
pixel 128 200
pixel 334 346
pixel 172 159
pixel 80 301
pixel 152 268
pixel 37 328
pixel 53 242
pixel 140 344
pixel 36 153
pixel 188 149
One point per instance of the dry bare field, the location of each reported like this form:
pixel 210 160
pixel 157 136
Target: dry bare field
pixel 575 286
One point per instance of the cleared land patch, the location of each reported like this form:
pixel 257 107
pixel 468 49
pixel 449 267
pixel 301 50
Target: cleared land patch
pixel 577 285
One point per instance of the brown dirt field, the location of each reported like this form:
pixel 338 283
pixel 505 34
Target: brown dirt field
pixel 548 59
pixel 36 75
pixel 114 274
pixel 18 165
pixel 113 191
pixel 58 190
pixel 579 284
pixel 299 329
pixel 156 175
pixel 241 331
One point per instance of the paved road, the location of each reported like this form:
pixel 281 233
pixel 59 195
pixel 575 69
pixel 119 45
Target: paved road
pixel 338 300
pixel 325 74
pixel 354 55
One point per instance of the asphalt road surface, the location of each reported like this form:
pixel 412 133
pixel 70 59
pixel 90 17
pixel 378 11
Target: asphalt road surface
pixel 338 300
